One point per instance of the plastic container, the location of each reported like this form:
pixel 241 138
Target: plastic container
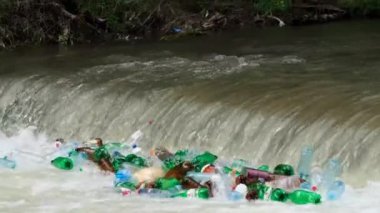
pixel 63 163
pixel 284 169
pixel 200 177
pixel 304 165
pixel 304 197
pixel 331 172
pixel 7 163
pixel 123 175
pixel 235 196
pixel 336 190
pixel 288 183
pixel 202 193
pixel 257 174
pixel 279 195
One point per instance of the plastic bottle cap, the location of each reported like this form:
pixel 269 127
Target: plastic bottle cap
pixel 57 144
pixel 242 188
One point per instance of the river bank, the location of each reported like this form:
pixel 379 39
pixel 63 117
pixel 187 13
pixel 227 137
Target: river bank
pixel 70 22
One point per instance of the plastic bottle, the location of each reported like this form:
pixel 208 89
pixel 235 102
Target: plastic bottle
pixel 304 197
pixel 286 182
pixel 304 164
pixel 200 177
pixel 284 169
pixel 202 193
pixel 155 193
pixel 239 193
pixel 336 190
pixel 135 160
pixel 122 176
pixel 230 171
pixel 257 174
pixel 64 163
pixel 279 194
pixel 331 172
pixel 316 176
pixel 172 161
pixel 166 183
pixel 305 185
pixel 7 163
pixel 235 196
pixel 264 168
pixel 202 160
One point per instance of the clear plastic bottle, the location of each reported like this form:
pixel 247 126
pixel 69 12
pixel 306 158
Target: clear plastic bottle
pixel 305 161
pixel 336 190
pixel 316 176
pixel 7 163
pixel 331 172
pixel 200 177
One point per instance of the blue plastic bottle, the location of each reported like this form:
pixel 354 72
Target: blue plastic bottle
pixel 336 190
pixel 304 164
pixel 5 162
pixel 122 175
pixel 331 172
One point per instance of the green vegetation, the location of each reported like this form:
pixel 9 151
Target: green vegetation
pixel 78 21
pixel 361 7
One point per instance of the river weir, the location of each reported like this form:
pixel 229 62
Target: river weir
pixel 261 95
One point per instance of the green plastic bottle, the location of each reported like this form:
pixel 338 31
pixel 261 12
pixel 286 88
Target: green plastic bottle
pixel 264 168
pixel 136 161
pixel 117 163
pixel 201 160
pixel 228 170
pixel 279 195
pixel 174 160
pixel 63 163
pixel 198 193
pixel 304 197
pixel 166 183
pixel 284 169
pixel 101 153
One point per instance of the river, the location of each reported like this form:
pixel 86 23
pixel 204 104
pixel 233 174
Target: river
pixel 258 94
